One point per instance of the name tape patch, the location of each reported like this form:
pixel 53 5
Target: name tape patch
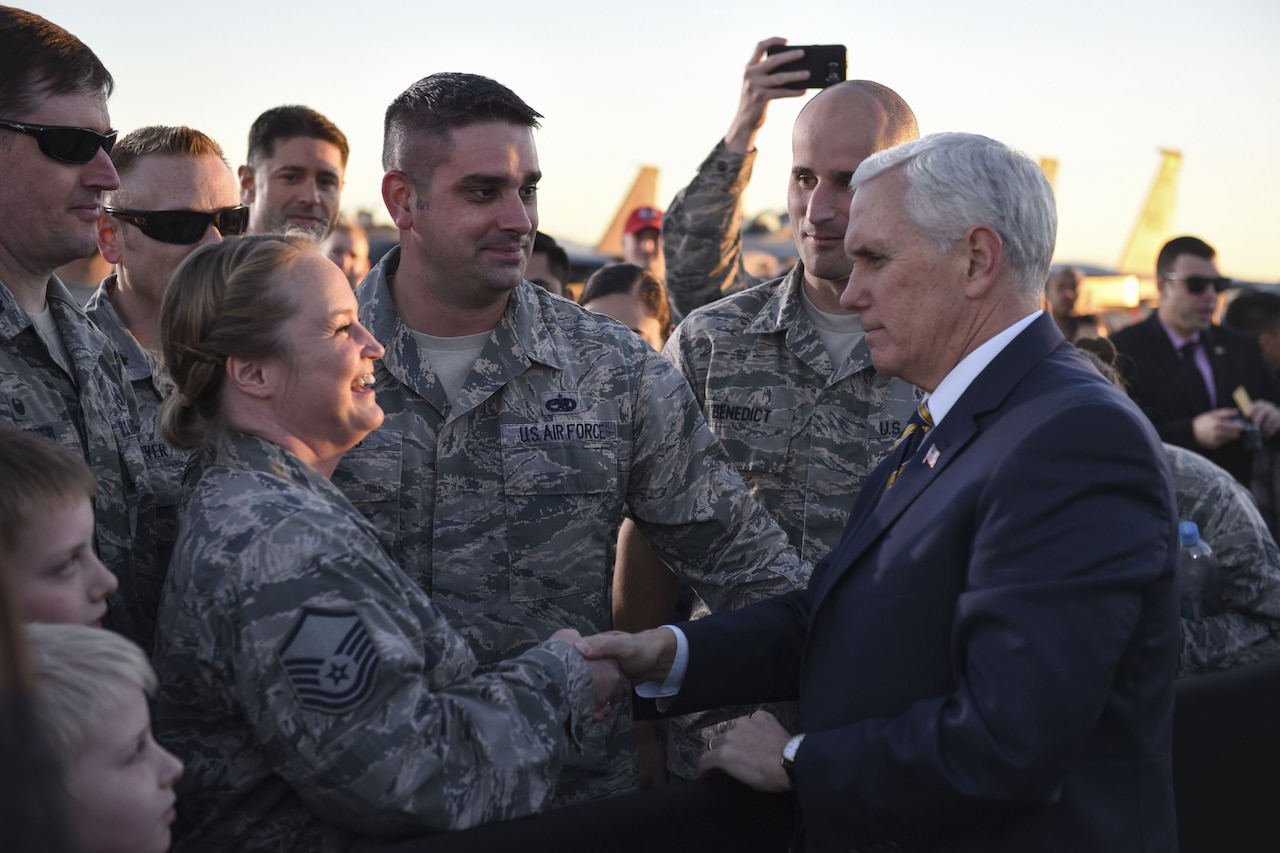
pixel 563 432
pixel 740 414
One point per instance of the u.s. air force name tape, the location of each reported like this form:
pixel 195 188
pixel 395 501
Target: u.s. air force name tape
pixel 330 660
pixel 559 432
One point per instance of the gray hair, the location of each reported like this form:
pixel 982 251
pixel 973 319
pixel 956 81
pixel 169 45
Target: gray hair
pixel 960 180
pixel 80 673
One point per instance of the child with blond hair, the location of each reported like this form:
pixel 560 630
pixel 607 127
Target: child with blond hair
pixel 90 692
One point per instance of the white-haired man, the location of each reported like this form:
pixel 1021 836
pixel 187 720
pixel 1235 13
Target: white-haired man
pixel 985 662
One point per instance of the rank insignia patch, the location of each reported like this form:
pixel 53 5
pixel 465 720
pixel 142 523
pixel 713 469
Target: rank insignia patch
pixel 330 660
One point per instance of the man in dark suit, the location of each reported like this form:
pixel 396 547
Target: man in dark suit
pixel 1183 370
pixel 986 660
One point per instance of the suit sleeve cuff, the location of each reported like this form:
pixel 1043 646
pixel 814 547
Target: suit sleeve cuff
pixel 664 692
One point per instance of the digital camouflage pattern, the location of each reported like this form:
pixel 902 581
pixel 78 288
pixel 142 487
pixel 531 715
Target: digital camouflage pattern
pixel 702 232
pixel 803 431
pixel 506 506
pixel 318 696
pixel 1242 609
pixel 151 384
pixel 95 414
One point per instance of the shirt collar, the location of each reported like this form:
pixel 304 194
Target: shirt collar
pixel 958 380
pixel 1176 339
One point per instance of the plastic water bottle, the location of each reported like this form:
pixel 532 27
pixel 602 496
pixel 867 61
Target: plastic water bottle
pixel 1197 570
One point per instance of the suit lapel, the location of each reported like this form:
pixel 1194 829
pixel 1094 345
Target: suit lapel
pixel 940 451
pixel 1217 353
pixel 1170 361
pixel 1183 375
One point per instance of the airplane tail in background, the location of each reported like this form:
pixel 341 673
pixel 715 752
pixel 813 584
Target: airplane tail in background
pixel 1049 165
pixel 1155 223
pixel 643 192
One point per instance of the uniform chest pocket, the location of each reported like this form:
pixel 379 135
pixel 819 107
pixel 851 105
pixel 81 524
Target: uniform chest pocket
pixel 558 497
pixel 559 459
pixel 757 439
pixel 164 471
pixel 369 475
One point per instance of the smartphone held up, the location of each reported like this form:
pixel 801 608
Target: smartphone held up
pixel 826 64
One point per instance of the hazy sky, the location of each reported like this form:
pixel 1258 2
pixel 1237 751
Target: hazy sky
pixel 1101 86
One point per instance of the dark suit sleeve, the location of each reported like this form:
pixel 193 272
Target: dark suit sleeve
pixel 1070 540
pixel 745 656
pixel 753 654
pixel 1178 430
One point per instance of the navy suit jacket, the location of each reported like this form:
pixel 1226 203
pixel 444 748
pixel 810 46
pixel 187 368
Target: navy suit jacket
pixel 1171 391
pixel 986 661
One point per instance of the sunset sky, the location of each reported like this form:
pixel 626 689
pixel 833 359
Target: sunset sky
pixel 1101 86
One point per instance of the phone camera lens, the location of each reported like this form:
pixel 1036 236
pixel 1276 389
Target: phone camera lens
pixel 833 72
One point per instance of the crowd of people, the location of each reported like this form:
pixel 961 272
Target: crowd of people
pixel 385 548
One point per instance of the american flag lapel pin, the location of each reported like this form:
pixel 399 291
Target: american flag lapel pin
pixel 931 458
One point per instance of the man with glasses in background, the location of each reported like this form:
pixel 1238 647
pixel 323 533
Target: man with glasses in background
pixel 59 375
pixel 176 192
pixel 1185 372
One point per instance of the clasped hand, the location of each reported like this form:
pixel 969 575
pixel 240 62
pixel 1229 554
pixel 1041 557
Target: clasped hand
pixel 646 656
pixel 750 751
pixel 607 682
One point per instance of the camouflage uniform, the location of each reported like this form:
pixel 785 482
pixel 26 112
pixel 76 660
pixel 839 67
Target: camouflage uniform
pixel 317 695
pixel 95 414
pixel 151 384
pixel 702 232
pixel 1243 608
pixel 505 506
pixel 803 432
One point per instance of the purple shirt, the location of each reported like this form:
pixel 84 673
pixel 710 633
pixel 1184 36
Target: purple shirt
pixel 1202 359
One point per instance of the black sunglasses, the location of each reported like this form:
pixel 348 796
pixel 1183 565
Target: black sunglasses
pixel 184 227
pixel 1197 284
pixel 76 145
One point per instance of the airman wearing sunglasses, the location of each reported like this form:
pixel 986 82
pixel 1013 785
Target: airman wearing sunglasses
pixel 59 375
pixel 1183 370
pixel 176 193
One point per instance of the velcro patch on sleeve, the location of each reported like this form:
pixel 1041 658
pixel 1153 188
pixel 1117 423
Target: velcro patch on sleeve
pixel 330 660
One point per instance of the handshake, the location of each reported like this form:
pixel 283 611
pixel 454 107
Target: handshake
pixel 618 660
pixel 749 750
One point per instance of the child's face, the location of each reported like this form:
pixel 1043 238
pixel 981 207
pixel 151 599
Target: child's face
pixel 121 784
pixel 60 578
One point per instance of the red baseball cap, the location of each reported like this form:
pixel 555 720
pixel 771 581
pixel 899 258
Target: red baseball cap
pixel 642 218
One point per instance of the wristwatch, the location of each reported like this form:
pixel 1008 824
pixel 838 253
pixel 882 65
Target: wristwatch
pixel 789 758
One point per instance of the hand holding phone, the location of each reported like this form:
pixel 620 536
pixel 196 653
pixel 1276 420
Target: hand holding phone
pixel 826 64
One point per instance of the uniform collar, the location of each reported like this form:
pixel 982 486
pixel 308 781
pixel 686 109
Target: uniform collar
pixel 524 335
pixel 67 312
pixel 235 449
pixel 784 312
pixel 138 363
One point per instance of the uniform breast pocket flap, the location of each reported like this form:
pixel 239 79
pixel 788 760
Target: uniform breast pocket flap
pixel 756 439
pixel 560 459
pixel 369 473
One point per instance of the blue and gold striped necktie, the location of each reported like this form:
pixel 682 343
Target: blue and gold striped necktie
pixel 909 442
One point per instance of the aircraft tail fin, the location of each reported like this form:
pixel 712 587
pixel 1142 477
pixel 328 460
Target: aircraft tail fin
pixel 644 191
pixel 1049 165
pixel 1155 222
